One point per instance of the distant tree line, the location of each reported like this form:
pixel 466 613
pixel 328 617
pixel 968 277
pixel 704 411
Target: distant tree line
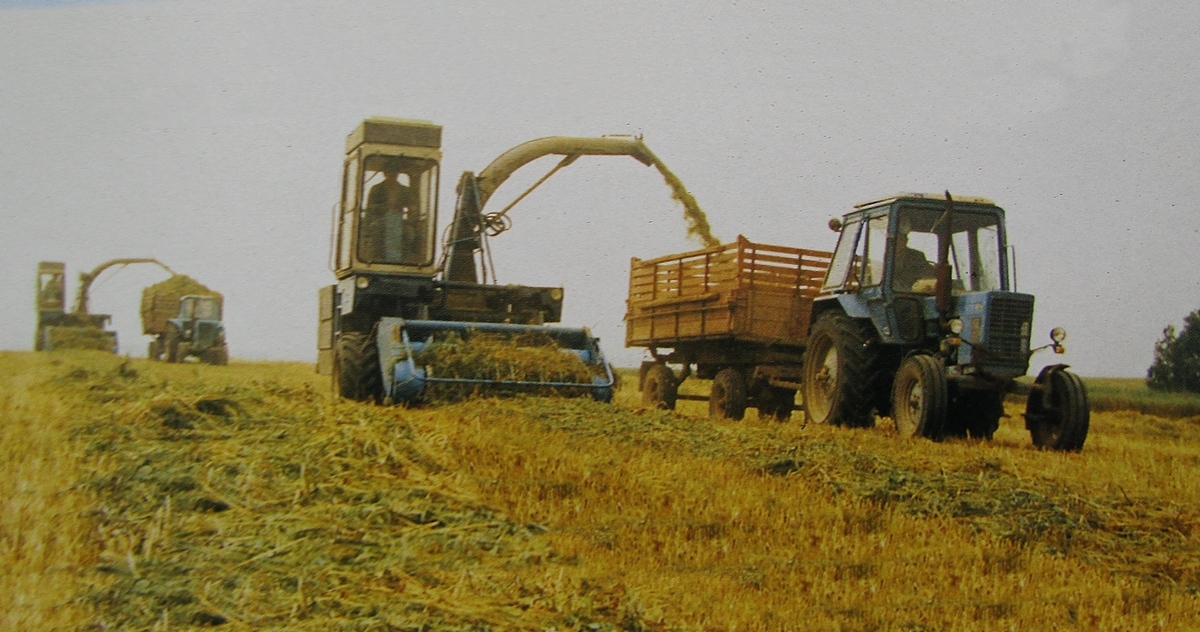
pixel 1177 358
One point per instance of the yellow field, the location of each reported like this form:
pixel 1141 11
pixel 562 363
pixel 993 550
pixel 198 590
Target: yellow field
pixel 150 496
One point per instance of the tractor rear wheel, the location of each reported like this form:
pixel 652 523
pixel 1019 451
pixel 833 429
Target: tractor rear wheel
pixel 727 399
pixel 776 403
pixel 919 397
pixel 841 372
pixel 356 367
pixel 659 387
pixel 1057 412
pixel 975 414
pixel 217 355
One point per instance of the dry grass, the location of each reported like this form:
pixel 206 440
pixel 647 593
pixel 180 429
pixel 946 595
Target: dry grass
pixel 242 495
pixel 529 357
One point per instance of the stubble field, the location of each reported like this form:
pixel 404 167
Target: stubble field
pixel 149 496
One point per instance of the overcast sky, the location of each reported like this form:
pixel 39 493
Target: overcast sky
pixel 210 135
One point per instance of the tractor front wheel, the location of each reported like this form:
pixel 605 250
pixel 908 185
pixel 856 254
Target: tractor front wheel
pixel 356 367
pixel 659 387
pixel 1057 413
pixel 727 399
pixel 217 355
pixel 919 397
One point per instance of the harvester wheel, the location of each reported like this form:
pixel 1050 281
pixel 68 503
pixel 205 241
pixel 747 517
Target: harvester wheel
pixel 356 367
pixel 727 399
pixel 842 372
pixel 659 387
pixel 975 414
pixel 1057 412
pixel 919 397
pixel 776 403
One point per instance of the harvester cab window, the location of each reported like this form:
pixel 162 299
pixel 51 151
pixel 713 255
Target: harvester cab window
pixel 974 251
pixel 396 217
pixel 50 291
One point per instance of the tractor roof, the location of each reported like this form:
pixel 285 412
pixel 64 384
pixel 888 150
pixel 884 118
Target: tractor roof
pixel 925 196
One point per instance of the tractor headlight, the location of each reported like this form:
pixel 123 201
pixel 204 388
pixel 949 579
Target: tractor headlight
pixel 556 293
pixel 956 326
pixel 1058 334
pixel 362 282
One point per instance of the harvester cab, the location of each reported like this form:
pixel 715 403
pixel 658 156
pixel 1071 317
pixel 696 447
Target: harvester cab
pixel 390 280
pixel 920 319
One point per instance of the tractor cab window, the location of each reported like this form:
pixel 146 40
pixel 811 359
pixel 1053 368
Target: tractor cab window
pixel 974 251
pixel 843 257
pixel 396 219
pixel 208 309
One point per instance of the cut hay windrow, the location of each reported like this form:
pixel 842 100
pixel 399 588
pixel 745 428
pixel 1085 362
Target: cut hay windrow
pixel 80 338
pixel 529 357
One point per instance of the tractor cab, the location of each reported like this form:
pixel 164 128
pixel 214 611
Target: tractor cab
pixel 887 265
pixel 197 331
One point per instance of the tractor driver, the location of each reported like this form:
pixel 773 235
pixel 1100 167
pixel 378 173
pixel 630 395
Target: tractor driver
pixel 913 271
pixel 390 211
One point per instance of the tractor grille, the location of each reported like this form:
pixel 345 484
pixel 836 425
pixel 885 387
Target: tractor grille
pixel 1008 326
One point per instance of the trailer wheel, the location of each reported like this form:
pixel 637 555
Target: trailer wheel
pixel 841 372
pixel 155 350
pixel 356 367
pixel 659 387
pixel 171 348
pixel 1057 412
pixel 727 399
pixel 776 403
pixel 975 414
pixel 919 397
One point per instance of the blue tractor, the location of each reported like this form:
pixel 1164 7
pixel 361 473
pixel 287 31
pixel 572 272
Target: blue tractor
pixel 394 295
pixel 919 318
